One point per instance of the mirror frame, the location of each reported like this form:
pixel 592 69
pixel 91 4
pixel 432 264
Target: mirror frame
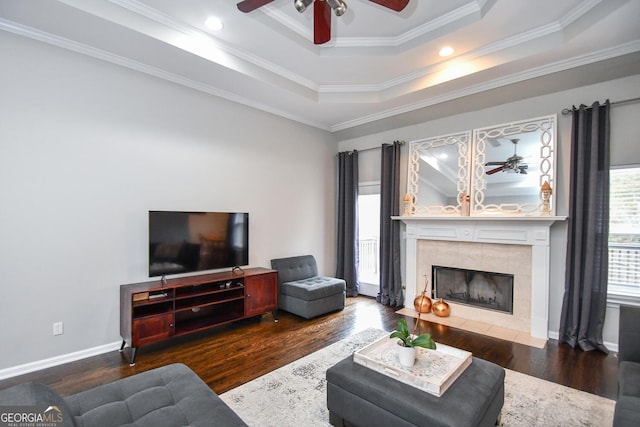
pixel 416 149
pixel 471 183
pixel 547 128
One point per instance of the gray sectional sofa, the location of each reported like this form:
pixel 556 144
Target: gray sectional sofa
pixel 169 396
pixel 303 292
pixel 627 412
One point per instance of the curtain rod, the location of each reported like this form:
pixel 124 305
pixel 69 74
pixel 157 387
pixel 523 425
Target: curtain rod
pixel 373 148
pixel 626 101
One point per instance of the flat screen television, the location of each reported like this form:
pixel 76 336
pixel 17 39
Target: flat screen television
pixel 184 242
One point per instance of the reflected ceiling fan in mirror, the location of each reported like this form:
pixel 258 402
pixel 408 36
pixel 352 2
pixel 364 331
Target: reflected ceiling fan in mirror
pixel 321 12
pixel 513 164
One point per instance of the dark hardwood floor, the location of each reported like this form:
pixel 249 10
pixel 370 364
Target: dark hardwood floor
pixel 233 354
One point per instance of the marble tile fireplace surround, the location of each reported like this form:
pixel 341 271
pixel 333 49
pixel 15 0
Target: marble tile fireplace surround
pixel 508 245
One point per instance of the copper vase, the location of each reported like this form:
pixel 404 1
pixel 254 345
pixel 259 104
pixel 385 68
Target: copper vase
pixel 422 303
pixel 441 308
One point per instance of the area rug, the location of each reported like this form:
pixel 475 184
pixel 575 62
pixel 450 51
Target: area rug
pixel 295 395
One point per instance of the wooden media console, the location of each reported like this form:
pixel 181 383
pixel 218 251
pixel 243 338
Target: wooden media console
pixel 160 309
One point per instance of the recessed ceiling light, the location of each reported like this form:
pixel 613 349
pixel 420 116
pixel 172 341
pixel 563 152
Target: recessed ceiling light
pixel 446 51
pixel 213 23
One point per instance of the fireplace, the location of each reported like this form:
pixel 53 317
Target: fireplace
pixel 483 289
pixel 511 245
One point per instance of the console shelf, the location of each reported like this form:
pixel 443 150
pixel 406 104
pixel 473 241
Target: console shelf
pixel 154 311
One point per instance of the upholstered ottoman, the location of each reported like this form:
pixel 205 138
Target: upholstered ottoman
pixel 359 396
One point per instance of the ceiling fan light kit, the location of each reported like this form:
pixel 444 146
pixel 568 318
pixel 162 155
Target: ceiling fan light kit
pixel 513 164
pixel 301 5
pixel 321 12
pixel 339 7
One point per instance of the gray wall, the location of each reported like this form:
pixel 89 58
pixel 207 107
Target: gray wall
pixel 624 146
pixel 87 148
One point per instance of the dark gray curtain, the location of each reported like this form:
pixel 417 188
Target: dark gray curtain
pixel 390 279
pixel 347 250
pixel 585 294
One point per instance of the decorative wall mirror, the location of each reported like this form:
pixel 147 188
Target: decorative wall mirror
pixel 438 175
pixel 512 162
pixel 508 170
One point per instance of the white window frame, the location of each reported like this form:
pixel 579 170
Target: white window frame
pixel 617 295
pixel 365 189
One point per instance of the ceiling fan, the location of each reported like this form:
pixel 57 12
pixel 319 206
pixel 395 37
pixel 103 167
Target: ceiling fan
pixel 321 12
pixel 512 164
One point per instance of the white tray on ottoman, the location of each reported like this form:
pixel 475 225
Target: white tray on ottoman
pixel 433 372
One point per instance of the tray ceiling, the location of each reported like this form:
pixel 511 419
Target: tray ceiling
pixel 381 68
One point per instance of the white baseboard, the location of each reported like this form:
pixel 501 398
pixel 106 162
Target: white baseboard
pixel 57 360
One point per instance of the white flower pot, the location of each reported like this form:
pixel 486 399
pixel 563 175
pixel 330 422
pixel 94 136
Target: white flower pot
pixel 406 356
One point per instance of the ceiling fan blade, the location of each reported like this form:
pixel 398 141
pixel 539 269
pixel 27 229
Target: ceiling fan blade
pixel 249 5
pixel 396 5
pixel 321 22
pixel 496 170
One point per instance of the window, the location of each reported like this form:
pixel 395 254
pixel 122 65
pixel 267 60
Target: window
pixel 624 232
pixel 369 238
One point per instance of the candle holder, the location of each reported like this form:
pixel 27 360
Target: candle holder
pixel 407 209
pixel 546 192
pixel 465 204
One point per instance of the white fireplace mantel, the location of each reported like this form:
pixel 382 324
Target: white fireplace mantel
pixel 531 231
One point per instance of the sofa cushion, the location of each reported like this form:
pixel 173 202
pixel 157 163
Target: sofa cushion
pixel 295 268
pixel 169 396
pixel 39 396
pixel 626 412
pixel 313 288
pixel 629 379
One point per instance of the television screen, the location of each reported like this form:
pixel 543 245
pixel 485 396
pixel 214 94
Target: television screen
pixel 182 242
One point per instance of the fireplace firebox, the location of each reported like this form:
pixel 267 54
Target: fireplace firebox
pixel 492 291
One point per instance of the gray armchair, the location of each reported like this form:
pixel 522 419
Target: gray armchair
pixel 627 412
pixel 303 292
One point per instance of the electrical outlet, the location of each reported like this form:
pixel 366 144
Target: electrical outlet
pixel 58 328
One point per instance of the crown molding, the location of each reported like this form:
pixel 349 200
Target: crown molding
pixel 579 11
pixel 83 49
pixel 477 7
pixel 321 94
pixel 590 58
pixel 492 48
pixel 286 21
pixel 93 52
pixel 190 31
pixel 432 27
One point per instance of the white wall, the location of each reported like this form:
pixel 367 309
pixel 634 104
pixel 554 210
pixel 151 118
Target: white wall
pixel 624 146
pixel 87 148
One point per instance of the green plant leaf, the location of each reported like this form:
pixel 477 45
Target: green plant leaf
pixel 397 334
pixel 402 327
pixel 402 333
pixel 424 341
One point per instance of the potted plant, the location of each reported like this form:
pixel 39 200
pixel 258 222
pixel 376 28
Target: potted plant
pixel 408 342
